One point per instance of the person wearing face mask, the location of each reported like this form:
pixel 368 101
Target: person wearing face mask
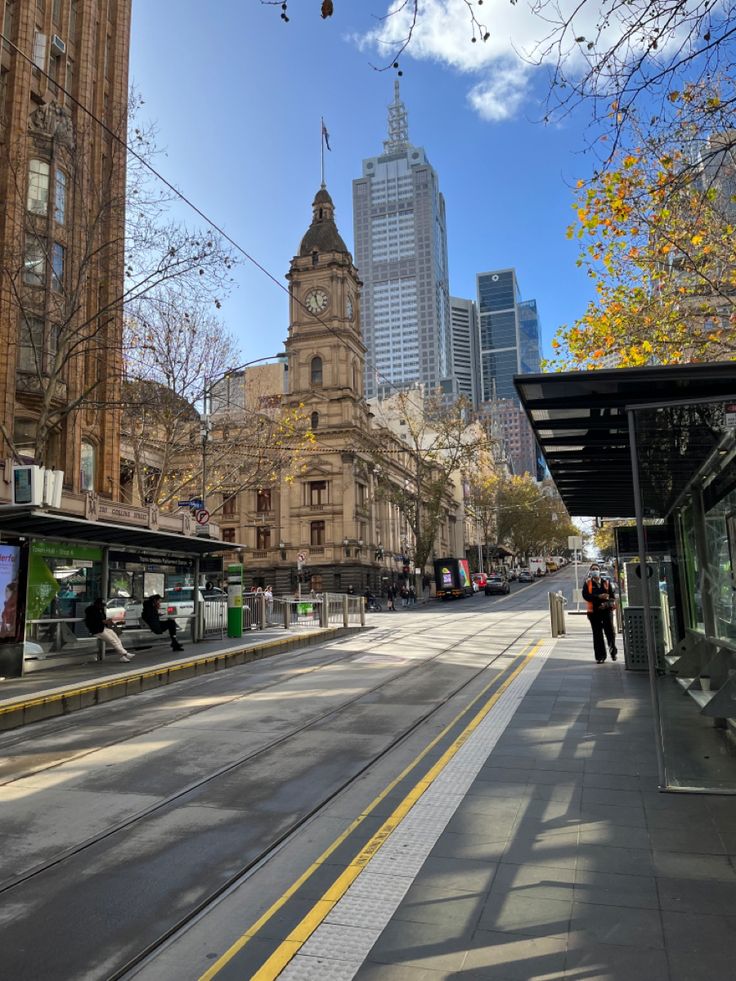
pixel 600 595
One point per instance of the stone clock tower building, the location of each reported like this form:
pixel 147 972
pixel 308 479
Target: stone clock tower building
pixel 332 513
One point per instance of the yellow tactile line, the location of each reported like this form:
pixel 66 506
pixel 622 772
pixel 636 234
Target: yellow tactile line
pixel 298 937
pixel 164 669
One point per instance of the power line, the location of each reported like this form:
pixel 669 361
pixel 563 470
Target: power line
pixel 197 210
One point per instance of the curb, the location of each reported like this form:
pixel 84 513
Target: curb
pixel 72 698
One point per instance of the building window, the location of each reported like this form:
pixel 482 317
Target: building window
pixel 73 20
pixel 361 495
pixel 263 500
pixel 317 492
pixel 60 197
pixel 87 467
pixel 58 254
pixel 263 538
pixel 228 534
pixel 24 439
pixel 229 505
pixel 56 12
pixel 34 263
pixel 316 371
pixel 30 354
pixel 317 533
pixel 38 187
pixel 314 423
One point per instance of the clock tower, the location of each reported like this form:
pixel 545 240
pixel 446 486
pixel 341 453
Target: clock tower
pixel 325 347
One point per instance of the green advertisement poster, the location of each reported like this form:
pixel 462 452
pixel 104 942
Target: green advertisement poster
pixel 42 586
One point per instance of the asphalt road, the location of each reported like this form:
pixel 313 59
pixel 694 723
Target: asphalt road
pixel 120 823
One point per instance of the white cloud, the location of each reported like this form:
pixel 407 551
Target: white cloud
pixel 501 94
pixel 505 64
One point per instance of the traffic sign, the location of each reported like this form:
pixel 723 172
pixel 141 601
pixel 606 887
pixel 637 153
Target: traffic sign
pixel 194 502
pixel 202 516
pixel 729 415
pixel 301 557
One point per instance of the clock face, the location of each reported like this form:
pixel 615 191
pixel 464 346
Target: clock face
pixel 316 301
pixel 349 308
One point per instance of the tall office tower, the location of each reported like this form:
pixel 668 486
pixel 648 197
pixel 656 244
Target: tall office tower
pixel 509 333
pixel 465 356
pixel 62 222
pixel 401 255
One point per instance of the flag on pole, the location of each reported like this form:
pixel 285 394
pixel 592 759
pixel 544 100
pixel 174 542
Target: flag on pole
pixel 326 136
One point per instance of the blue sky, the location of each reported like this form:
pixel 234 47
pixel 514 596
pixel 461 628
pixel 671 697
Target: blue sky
pixel 237 96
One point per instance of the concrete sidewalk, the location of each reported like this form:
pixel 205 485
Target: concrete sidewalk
pixel 563 860
pixel 63 689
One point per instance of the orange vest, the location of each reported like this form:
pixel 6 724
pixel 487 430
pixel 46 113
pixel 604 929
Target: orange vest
pixel 589 603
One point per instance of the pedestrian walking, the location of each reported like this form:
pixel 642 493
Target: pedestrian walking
pixel 100 626
pixel 391 598
pixel 268 594
pixel 151 616
pixel 412 596
pixel 600 595
pixel 404 593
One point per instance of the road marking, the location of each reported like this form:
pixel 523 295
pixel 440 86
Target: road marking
pixel 290 947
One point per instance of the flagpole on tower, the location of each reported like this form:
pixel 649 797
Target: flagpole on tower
pixel 322 148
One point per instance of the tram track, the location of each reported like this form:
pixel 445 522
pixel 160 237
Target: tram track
pixel 179 799
pixel 250 757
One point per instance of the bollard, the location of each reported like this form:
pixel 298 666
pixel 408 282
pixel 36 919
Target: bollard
pixel 287 612
pixel 345 610
pixel 323 611
pixel 362 614
pixel 261 611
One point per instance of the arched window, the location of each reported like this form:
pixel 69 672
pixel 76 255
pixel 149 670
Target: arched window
pixel 314 424
pixel 355 378
pixel 87 464
pixel 316 371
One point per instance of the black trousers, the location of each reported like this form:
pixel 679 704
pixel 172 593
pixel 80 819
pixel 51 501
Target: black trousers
pixel 601 622
pixel 166 626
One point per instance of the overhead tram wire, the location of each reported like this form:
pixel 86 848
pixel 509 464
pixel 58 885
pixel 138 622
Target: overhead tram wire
pixel 197 210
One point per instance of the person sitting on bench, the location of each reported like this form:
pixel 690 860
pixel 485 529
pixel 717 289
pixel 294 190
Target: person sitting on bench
pixel 151 616
pixel 100 626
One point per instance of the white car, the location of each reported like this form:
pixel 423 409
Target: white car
pixel 124 611
pixel 178 603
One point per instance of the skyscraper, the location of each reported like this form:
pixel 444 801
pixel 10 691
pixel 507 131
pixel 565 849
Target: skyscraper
pixel 401 255
pixel 509 333
pixel 465 355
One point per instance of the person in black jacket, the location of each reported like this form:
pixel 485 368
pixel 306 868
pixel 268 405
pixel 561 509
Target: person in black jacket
pixel 151 616
pixel 600 595
pixel 98 624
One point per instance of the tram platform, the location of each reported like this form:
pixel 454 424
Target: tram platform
pixel 537 846
pixel 64 689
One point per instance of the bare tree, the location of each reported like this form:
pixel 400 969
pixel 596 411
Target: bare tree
pixel 437 446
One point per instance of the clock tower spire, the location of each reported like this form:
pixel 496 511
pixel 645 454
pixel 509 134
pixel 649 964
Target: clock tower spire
pixel 325 347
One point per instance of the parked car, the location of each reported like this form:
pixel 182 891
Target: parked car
pixel 178 602
pixel 115 607
pixel 513 575
pixel 526 576
pixel 497 583
pixel 479 578
pixel 124 611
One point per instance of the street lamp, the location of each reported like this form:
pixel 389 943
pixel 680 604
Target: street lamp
pixel 206 422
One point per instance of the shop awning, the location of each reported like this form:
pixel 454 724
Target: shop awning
pixel 36 523
pixel 581 424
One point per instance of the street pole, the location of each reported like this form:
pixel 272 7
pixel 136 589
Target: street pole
pixel 577 584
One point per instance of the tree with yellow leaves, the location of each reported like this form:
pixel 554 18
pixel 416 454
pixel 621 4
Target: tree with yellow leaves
pixel 658 236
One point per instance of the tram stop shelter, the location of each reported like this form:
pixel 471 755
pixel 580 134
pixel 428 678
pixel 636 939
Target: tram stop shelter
pixel 54 564
pixel 658 445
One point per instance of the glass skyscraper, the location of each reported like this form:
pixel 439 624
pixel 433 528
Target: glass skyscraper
pixel 509 333
pixel 401 255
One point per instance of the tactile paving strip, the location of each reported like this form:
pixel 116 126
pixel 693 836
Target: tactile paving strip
pixel 338 947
